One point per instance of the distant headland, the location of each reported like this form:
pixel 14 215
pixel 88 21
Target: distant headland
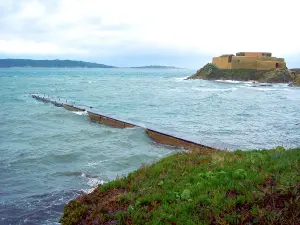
pixel 8 63
pixel 56 63
pixel 245 66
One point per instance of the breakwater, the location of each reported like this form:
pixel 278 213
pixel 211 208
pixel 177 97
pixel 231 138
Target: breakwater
pixel 175 139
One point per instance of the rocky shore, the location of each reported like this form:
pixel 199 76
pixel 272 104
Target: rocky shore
pixel 211 72
pixel 296 75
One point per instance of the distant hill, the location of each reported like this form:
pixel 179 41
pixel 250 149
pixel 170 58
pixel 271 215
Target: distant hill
pixel 6 63
pixel 155 67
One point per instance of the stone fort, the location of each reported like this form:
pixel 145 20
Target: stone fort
pixel 249 60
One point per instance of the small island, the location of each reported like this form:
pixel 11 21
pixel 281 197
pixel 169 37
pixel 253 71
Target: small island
pixel 248 66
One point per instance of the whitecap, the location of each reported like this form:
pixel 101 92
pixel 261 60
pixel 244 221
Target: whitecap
pixel 263 88
pixel 181 78
pixel 81 113
pixel 93 182
pixel 214 89
pixel 88 191
pixel 206 89
pixel 249 82
pixel 230 81
pixel 92 164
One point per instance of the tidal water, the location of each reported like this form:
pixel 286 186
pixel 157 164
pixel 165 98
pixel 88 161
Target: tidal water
pixel 49 155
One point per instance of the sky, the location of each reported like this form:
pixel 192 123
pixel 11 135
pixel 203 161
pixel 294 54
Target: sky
pixel 142 32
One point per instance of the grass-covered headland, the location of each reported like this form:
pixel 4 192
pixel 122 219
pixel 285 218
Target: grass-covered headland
pixel 240 187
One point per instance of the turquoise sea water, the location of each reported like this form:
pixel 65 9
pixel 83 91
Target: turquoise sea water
pixel 50 155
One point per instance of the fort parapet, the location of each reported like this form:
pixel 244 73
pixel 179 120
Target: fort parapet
pixel 249 60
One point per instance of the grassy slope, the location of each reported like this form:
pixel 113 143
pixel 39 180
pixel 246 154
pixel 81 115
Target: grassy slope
pixel 259 187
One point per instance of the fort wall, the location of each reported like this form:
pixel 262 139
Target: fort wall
pixel 243 62
pixel 249 60
pixel 222 62
pixel 268 65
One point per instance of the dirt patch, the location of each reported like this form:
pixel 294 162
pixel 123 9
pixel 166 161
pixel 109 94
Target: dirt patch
pixel 281 207
pixel 274 207
pixel 231 193
pixel 103 206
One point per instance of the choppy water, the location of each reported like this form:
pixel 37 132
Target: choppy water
pixel 50 155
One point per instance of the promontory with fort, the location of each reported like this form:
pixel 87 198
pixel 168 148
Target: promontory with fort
pixel 249 66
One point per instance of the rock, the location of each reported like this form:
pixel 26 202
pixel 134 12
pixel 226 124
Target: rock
pixel 277 76
pixel 296 82
pixel 211 72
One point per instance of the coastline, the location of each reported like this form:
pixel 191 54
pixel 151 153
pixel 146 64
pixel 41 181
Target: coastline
pixel 83 154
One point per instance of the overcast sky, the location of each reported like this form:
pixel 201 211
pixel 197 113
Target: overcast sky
pixel 136 32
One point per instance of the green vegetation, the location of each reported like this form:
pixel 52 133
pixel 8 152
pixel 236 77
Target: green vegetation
pixel 296 75
pixel 211 72
pixel 297 80
pixel 6 63
pixel 240 187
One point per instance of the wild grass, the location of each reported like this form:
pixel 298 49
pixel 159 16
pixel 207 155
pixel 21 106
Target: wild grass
pixel 254 187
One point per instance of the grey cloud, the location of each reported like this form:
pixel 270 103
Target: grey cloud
pixel 111 48
pixel 11 26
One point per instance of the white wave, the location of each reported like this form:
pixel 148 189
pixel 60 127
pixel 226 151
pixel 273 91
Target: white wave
pixel 290 89
pixel 81 113
pixel 264 89
pixel 206 89
pixel 180 78
pixel 92 164
pixel 269 89
pixel 93 182
pixel 88 191
pixel 214 89
pixel 248 84
pixel 230 81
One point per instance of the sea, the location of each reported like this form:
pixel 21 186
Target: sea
pixel 49 155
